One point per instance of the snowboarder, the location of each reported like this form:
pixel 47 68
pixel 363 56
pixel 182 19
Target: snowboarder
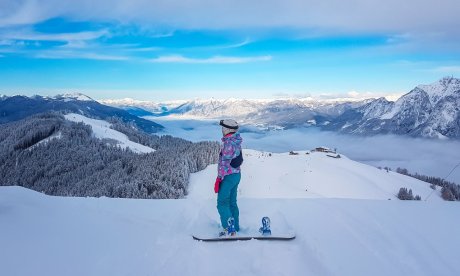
pixel 228 178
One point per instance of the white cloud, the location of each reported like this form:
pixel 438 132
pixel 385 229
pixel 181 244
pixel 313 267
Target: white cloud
pixel 144 49
pixel 211 60
pixel 447 69
pixel 30 35
pixel 58 54
pixel 413 16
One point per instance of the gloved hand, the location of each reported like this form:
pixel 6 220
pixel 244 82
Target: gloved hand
pixel 217 184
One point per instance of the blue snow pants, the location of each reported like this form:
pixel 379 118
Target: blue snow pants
pixel 226 200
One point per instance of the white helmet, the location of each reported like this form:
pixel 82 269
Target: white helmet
pixel 228 126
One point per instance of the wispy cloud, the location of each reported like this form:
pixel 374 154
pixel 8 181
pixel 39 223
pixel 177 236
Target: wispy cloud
pixel 211 60
pixel 447 69
pixel 245 42
pixel 64 37
pixel 144 49
pixel 237 45
pixel 79 55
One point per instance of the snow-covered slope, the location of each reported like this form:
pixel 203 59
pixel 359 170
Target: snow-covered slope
pixel 102 130
pixel 338 208
pixel 312 175
pixel 44 235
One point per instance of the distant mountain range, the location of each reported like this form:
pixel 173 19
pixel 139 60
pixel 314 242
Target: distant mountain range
pixel 270 113
pixel 19 107
pixel 426 111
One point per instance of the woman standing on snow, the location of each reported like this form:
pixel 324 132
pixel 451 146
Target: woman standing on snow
pixel 229 175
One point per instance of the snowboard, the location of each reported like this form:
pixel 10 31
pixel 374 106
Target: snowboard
pixel 265 233
pixel 286 237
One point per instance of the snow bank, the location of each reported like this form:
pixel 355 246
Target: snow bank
pixel 101 130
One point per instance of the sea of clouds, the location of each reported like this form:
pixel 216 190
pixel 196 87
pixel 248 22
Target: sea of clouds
pixel 425 156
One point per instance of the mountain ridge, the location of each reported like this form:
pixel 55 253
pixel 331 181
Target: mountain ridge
pixel 428 110
pixel 17 107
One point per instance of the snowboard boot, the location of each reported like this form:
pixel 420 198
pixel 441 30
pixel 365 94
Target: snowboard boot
pixel 265 229
pixel 223 233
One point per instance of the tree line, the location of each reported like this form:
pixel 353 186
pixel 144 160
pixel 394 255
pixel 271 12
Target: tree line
pixel 449 190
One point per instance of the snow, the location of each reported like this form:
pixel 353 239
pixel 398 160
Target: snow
pixel 346 125
pixel 73 97
pixel 344 225
pixel 311 175
pixel 101 129
pixel 442 88
pixel 231 107
pixel 48 235
pixel 46 140
pixel 393 111
pixel 338 208
pixel 448 114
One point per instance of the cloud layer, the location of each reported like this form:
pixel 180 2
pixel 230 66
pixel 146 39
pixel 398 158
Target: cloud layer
pixel 410 16
pixel 424 156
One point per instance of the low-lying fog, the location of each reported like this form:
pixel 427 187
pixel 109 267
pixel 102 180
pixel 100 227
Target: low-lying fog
pixel 425 156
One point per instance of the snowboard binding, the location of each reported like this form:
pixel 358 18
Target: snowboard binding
pixel 230 230
pixel 231 226
pixel 265 229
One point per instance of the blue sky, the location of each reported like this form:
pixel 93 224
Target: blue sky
pixel 164 50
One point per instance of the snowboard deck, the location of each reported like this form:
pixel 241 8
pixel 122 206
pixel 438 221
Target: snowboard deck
pixel 245 238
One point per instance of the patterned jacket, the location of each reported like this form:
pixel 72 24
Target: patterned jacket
pixel 231 148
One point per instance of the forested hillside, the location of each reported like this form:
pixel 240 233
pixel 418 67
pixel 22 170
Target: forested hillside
pixel 50 154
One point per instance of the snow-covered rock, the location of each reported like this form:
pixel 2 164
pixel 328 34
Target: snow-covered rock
pixel 428 110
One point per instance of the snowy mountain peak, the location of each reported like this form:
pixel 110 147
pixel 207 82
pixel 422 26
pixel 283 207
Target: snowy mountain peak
pixel 444 87
pixel 73 97
pixel 123 102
